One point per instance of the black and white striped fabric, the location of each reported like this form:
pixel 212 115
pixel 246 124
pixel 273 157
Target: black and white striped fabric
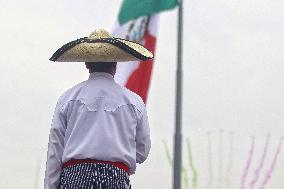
pixel 94 176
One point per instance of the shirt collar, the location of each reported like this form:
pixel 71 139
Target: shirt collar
pixel 100 74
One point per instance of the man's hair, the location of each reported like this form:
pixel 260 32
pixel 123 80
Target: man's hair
pixel 99 66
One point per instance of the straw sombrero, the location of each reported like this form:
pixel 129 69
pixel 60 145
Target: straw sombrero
pixel 100 46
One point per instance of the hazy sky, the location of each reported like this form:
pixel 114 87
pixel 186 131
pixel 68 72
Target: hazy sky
pixel 233 81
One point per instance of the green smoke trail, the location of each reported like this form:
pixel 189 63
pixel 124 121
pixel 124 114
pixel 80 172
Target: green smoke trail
pixel 170 161
pixel 191 165
pixel 210 171
pixel 37 172
pixel 230 162
pixel 168 154
pixel 220 168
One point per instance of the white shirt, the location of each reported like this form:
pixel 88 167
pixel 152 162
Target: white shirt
pixel 97 119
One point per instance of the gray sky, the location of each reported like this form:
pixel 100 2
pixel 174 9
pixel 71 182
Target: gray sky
pixel 233 81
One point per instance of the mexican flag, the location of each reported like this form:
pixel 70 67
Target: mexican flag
pixel 138 21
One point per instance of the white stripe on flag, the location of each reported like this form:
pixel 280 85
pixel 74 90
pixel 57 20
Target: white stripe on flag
pixel 132 30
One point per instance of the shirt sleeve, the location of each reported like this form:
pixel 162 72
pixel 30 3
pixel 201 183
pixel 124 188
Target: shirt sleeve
pixel 55 149
pixel 143 142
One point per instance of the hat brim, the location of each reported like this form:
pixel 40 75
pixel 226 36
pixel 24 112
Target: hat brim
pixel 101 50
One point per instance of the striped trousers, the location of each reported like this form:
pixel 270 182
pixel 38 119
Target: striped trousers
pixel 94 176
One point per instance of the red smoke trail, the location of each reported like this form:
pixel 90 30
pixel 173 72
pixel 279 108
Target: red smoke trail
pixel 261 163
pixel 247 167
pixel 271 170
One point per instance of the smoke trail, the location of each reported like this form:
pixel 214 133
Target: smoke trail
pixel 185 177
pixel 271 169
pixel 168 154
pixel 260 166
pixel 37 172
pixel 210 172
pixel 191 165
pixel 230 161
pixel 170 161
pixel 220 169
pixel 248 163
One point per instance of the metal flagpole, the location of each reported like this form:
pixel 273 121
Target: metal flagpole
pixel 178 132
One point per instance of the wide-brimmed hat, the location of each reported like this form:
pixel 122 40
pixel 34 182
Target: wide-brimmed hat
pixel 100 46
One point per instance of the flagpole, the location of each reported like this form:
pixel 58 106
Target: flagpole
pixel 178 121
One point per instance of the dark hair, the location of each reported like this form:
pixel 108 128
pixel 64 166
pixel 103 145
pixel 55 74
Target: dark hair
pixel 100 66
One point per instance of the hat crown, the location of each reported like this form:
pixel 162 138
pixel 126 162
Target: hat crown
pixel 99 33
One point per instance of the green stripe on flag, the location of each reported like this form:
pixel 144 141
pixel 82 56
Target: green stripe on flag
pixel 131 9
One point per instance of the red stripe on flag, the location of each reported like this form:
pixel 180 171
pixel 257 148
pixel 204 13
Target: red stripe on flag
pixel 139 80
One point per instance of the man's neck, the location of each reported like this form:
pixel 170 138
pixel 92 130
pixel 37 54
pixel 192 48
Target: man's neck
pixel 103 72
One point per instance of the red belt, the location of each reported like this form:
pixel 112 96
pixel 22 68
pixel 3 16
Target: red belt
pixel 79 161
